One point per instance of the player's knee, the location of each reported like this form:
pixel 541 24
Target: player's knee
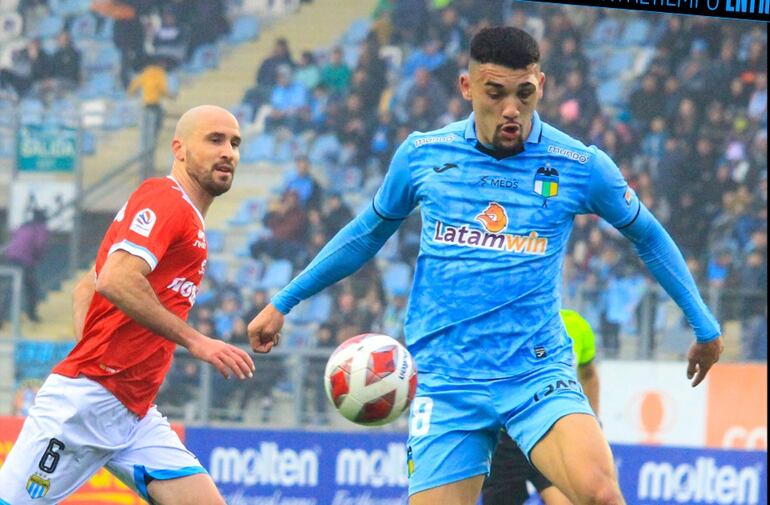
pixel 604 493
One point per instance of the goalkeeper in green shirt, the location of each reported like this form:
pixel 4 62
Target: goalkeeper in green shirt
pixel 510 471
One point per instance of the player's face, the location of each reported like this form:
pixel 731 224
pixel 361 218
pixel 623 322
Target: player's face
pixel 504 101
pixel 212 153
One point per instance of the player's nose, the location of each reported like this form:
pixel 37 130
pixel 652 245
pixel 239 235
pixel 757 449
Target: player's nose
pixel 510 108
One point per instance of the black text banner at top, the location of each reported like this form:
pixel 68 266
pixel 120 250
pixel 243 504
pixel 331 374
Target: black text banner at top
pixel 749 10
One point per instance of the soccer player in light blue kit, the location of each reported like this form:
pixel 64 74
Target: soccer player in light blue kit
pixel 498 193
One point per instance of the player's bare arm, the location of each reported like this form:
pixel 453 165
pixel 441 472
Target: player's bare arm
pixel 701 357
pixel 264 329
pixel 82 295
pixel 123 282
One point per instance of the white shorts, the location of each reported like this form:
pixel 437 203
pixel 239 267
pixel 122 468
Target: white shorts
pixel 76 427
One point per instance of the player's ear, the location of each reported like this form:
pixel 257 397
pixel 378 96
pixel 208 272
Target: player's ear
pixel 542 83
pixel 178 149
pixel 465 86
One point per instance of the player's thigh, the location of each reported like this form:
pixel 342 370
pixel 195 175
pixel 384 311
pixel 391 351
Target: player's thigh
pixel 61 445
pixel 463 492
pixel 452 432
pixel 198 489
pixel 576 457
pixel 155 453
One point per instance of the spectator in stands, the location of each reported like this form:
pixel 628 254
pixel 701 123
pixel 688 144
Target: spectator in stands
pixel 423 85
pixel 153 84
pixel 267 74
pixel 646 102
pixel 287 99
pixel 753 284
pixel 307 73
pixel 207 23
pixel 170 39
pixel 228 318
pixel 128 35
pixel 428 56
pixel 287 223
pixel 30 65
pixel 302 182
pixel 65 62
pixel 335 75
pixel 25 250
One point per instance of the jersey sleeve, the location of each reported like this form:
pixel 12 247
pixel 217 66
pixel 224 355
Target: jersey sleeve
pixel 396 197
pixel 147 225
pixel 609 195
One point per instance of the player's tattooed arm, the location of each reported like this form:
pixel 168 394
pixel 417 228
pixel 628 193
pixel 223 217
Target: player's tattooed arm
pixel 82 295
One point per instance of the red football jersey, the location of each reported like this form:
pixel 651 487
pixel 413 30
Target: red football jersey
pixel 159 224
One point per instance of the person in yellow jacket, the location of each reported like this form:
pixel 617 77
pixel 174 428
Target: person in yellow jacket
pixel 510 471
pixel 152 81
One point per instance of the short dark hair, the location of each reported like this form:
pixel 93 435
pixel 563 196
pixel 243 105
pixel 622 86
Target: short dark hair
pixel 505 45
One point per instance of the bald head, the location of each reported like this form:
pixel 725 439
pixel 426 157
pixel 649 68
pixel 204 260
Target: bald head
pixel 201 115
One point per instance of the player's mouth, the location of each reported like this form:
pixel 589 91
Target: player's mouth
pixel 223 168
pixel 510 131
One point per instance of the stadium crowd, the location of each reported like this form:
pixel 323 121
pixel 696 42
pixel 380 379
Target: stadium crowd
pixel 683 113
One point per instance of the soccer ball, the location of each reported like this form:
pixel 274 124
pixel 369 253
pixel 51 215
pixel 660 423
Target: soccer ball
pixel 370 379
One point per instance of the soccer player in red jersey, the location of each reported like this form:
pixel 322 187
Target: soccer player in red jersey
pixel 96 408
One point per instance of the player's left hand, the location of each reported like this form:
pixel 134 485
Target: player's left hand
pixel 701 358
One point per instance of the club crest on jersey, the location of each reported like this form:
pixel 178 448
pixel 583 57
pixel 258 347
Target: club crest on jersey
pixel 493 218
pixel 37 487
pixel 628 196
pixel 494 221
pixel 143 222
pixel 546 182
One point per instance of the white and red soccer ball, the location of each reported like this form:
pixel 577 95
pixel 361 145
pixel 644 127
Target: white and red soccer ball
pixel 370 379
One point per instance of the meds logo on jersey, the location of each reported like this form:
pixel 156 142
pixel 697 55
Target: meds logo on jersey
pixel 143 222
pixel 37 487
pixel 546 182
pixel 493 218
pixel 494 221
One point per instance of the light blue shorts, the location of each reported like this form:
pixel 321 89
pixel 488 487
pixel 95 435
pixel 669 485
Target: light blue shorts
pixel 454 423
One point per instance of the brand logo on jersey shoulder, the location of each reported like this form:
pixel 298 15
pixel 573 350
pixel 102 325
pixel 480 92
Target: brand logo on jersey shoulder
pixel 201 240
pixel 575 156
pixel 143 222
pixel 186 288
pixel 493 181
pixel 540 352
pixel 628 196
pixel 494 220
pixel 546 182
pixel 444 167
pixel 121 213
pixel 434 140
pixel 37 487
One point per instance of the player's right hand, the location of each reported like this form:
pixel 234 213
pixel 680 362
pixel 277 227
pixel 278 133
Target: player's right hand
pixel 264 329
pixel 701 358
pixel 226 358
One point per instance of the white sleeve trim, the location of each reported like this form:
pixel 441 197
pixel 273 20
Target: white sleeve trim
pixel 136 250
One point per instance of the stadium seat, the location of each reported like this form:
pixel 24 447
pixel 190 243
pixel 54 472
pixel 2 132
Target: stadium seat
pixel 31 111
pixel 215 240
pixel 100 84
pixel 397 278
pixel 315 310
pixel 93 112
pixel 611 92
pixel 277 275
pixel 297 336
pixel 244 113
pixel 251 211
pixel 249 273
pixel 216 270
pixel 66 8
pixel 87 142
pixel 205 57
pixel 244 28
pixel 99 57
pixel 356 32
pixel 48 26
pixel 83 27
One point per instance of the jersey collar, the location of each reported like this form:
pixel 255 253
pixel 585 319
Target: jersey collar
pixel 187 199
pixel 534 135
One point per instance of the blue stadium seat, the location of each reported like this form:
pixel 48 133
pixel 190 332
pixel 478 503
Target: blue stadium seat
pixel 636 33
pixel 244 113
pixel 325 150
pixel 216 270
pixel 100 84
pixel 83 27
pixel 244 28
pixel 356 32
pixel 251 211
pixel 297 336
pixel 315 310
pixel 611 92
pixel 215 240
pixel 397 278
pixel 249 273
pixel 48 26
pixel 205 57
pixel 66 8
pixel 277 275
pixel 99 57
pixel 87 142
pixel 31 111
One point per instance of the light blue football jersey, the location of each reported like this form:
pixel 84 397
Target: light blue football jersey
pixel 485 297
